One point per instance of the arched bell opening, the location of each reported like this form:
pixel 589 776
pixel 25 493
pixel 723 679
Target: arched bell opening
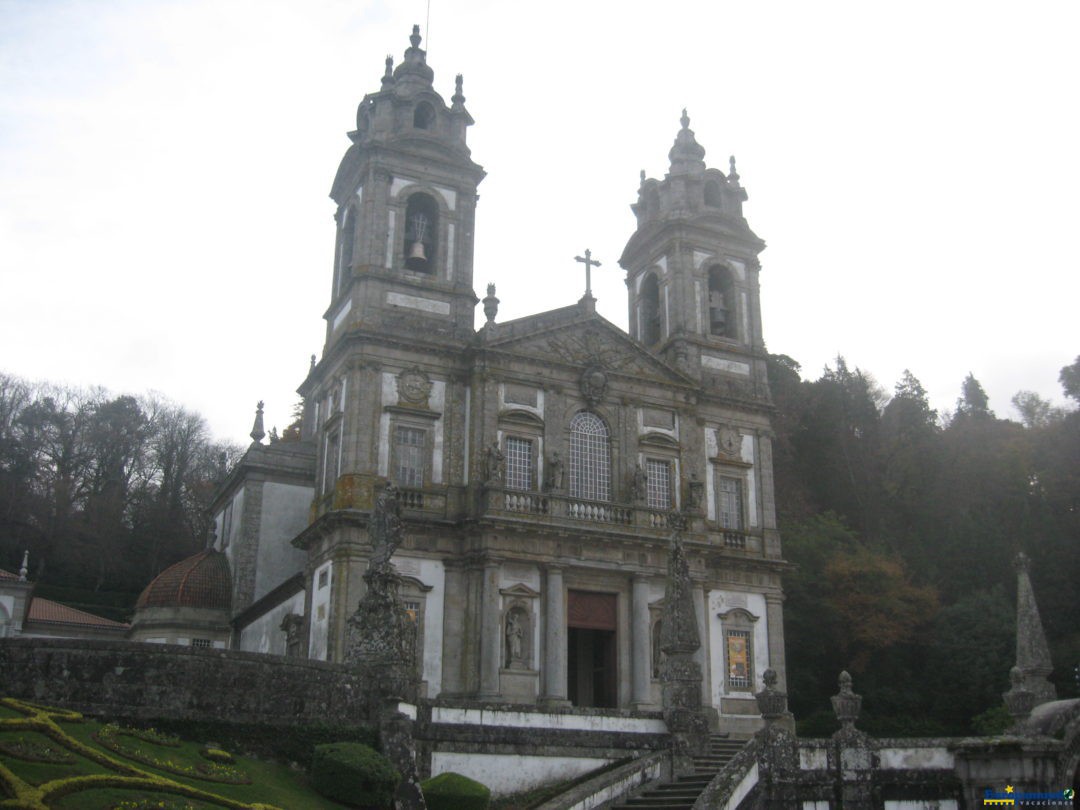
pixel 721 302
pixel 421 233
pixel 650 310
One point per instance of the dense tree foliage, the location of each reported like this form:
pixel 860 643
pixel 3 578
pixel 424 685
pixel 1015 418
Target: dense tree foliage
pixel 903 526
pixel 103 491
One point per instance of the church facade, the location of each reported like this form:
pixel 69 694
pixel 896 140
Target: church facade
pixel 537 460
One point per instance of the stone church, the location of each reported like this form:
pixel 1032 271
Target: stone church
pixel 537 460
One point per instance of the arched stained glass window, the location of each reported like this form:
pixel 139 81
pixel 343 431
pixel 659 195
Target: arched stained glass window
pixel 590 458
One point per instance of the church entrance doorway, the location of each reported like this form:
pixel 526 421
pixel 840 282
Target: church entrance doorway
pixel 591 649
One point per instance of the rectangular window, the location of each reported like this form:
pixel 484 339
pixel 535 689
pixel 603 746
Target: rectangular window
pixel 730 506
pixel 332 462
pixel 739 659
pixel 413 609
pixel 226 526
pixel 324 579
pixel 204 643
pixel 519 463
pixel 409 456
pixel 658 489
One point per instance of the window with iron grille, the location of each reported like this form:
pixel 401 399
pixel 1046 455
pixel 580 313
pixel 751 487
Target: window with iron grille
pixel 518 463
pixel 590 458
pixel 200 642
pixel 658 488
pixel 409 456
pixel 730 505
pixel 740 674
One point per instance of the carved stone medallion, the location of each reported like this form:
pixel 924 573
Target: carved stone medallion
pixel 414 387
pixel 730 440
pixel 594 383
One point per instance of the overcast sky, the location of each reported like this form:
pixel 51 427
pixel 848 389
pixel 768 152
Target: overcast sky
pixel 165 166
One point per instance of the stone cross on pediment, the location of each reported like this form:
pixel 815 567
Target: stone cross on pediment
pixel 589 263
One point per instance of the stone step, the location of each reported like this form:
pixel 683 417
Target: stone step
pixel 684 791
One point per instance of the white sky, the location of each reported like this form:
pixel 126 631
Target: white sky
pixel 164 171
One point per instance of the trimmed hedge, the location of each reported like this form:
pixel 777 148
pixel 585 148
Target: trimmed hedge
pixel 294 744
pixel 452 791
pixel 354 774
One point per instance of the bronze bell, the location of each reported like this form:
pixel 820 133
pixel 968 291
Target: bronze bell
pixel 417 251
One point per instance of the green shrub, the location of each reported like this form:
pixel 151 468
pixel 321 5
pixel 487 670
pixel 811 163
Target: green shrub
pixel 268 742
pixel 354 774
pixel 452 791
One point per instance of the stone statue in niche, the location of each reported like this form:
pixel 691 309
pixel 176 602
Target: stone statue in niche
pixel 639 482
pixel 493 465
pixel 517 632
pixel 553 480
pixel 696 493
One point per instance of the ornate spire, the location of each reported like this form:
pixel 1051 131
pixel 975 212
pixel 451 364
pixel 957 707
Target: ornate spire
pixel 257 433
pixel 687 155
pixel 1032 651
pixel 414 65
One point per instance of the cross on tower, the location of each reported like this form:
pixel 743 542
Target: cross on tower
pixel 589 263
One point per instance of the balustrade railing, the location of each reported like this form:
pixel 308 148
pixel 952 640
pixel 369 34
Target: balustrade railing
pixel 557 506
pixel 411 498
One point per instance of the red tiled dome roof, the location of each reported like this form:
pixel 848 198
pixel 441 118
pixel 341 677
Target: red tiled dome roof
pixel 202 581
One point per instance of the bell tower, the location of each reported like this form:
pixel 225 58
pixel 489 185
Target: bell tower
pixel 406 197
pixel 692 271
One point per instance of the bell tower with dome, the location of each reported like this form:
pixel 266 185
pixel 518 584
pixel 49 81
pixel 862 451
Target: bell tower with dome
pixel 406 197
pixel 692 273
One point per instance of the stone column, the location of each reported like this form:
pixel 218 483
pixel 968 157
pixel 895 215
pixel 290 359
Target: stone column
pixel 701 608
pixel 454 610
pixel 641 640
pixel 490 632
pixel 774 616
pixel 554 664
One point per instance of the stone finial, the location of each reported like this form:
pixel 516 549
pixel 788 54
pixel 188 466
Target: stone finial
pixel 1032 651
pixel 772 703
pixel 388 74
pixel 414 38
pixel 257 432
pixel 733 175
pixel 24 569
pixel 491 305
pixel 311 367
pixel 846 705
pixel 687 155
pixel 458 98
pixel 642 178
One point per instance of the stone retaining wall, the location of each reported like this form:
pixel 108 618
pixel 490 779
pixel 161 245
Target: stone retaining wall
pixel 134 680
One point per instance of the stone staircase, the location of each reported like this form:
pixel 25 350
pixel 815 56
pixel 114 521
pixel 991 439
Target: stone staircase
pixel 683 792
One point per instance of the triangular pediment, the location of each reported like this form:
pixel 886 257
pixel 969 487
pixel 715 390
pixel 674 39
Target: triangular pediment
pixel 583 343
